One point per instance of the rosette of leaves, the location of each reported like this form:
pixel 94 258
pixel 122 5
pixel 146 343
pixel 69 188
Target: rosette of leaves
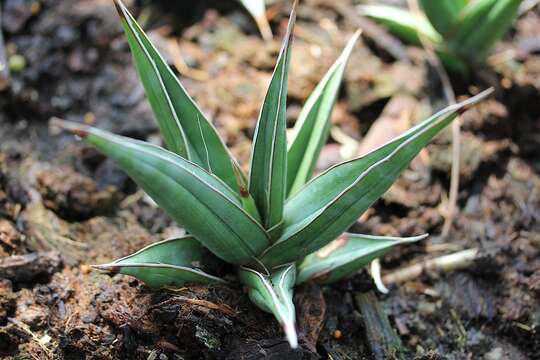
pixel 462 31
pixel 279 225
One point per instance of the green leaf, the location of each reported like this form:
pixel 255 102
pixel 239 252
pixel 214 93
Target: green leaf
pixel 410 27
pixel 168 263
pixel 274 294
pixel 185 129
pixel 491 22
pixel 313 124
pixel 257 9
pixel 334 200
pixel 267 182
pixel 443 14
pixel 346 255
pixel 201 202
pixel 402 23
pixel 470 18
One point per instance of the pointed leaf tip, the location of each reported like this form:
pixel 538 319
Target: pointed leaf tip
pixel 172 262
pixel 312 127
pixel 329 204
pixel 290 333
pixel 267 181
pixel 80 130
pixel 110 268
pixel 274 294
pixel 184 127
pixel 346 255
pixel 201 202
pixel 119 8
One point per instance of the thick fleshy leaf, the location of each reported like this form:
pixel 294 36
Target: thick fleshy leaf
pixel 484 22
pixel 267 181
pixel 313 124
pixel 168 263
pixel 402 23
pixel 185 128
pixel 346 255
pixel 443 14
pixel 411 28
pixel 334 200
pixel 274 294
pixel 471 18
pixel 257 9
pixel 206 207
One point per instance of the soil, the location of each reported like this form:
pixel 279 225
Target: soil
pixel 64 206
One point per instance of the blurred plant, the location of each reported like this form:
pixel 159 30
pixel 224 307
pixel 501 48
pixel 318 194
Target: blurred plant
pixel 462 31
pixel 281 228
pixel 257 9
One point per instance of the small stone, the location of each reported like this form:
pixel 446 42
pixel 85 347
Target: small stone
pixel 90 317
pixel 426 308
pixel 495 354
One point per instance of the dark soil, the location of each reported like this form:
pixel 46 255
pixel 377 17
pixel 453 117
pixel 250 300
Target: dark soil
pixel 64 206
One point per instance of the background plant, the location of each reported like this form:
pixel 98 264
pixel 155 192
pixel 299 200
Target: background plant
pixel 462 31
pixel 280 226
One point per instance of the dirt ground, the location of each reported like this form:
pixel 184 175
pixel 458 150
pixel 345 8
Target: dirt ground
pixel 64 206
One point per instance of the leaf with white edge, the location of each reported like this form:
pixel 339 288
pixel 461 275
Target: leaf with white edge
pixel 257 9
pixel 274 294
pixel 267 182
pixel 346 255
pixel 168 263
pixel 402 23
pixel 205 206
pixel 330 203
pixel 185 128
pixel 313 124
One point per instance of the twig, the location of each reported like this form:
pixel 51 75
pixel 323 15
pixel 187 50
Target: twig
pixel 447 263
pixel 222 308
pixel 382 339
pixel 40 342
pixel 180 63
pixel 435 62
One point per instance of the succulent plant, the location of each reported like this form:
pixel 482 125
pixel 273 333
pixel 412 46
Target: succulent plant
pixel 462 31
pixel 280 226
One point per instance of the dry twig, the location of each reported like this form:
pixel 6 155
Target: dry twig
pixel 447 263
pixel 456 125
pixel 382 340
pixel 39 341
